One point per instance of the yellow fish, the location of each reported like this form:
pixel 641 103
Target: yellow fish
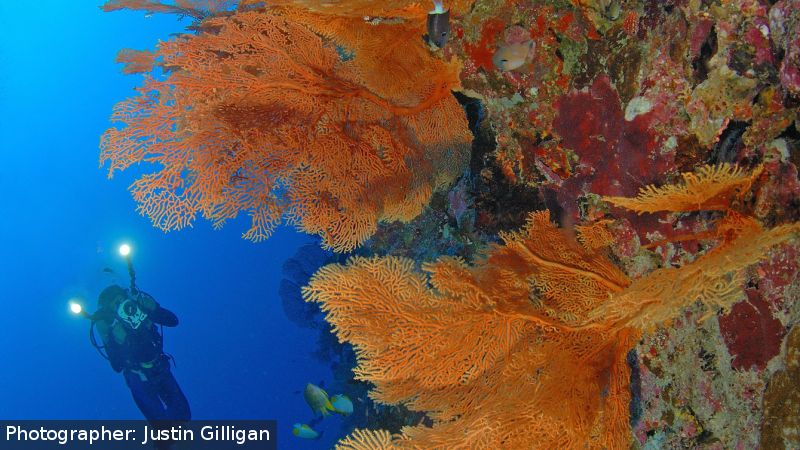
pixel 304 431
pixel 513 56
pixel 317 399
pixel 342 404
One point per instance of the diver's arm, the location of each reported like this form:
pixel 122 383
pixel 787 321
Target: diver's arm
pixel 156 313
pixel 164 317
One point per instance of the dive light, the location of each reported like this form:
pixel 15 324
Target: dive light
pixel 77 309
pixel 125 251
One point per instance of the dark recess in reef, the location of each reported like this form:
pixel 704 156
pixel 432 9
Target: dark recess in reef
pixel 707 50
pixel 635 406
pixel 500 205
pixel 729 144
pixel 792 137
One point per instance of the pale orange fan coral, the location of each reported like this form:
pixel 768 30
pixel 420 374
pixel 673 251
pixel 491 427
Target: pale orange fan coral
pixel 714 279
pixel 136 61
pixel 485 350
pixel 711 188
pixel 367 440
pixel 595 235
pixel 263 116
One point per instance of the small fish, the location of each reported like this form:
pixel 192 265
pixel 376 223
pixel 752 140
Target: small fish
pixel 304 431
pixel 438 25
pixel 317 399
pixel 512 56
pixel 108 270
pixel 342 404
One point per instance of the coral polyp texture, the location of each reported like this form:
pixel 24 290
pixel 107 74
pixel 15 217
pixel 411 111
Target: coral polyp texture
pixel 260 115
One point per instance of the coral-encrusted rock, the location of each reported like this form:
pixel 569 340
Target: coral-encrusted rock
pixel 752 334
pixel 781 426
pixel 779 198
pixel 617 156
pixel 785 27
pixel 777 273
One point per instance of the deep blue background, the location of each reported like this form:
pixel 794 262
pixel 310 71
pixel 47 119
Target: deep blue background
pixel 61 221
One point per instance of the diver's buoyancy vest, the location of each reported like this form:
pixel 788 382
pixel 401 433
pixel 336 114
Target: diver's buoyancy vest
pixel 134 346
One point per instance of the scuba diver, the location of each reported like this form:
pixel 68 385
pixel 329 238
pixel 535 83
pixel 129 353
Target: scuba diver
pixel 130 324
pixel 126 324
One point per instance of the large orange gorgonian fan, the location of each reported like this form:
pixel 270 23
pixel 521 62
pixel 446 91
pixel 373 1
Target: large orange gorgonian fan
pixel 263 116
pixel 486 350
pixel 524 350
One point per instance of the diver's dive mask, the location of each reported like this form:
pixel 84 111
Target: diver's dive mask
pixel 130 313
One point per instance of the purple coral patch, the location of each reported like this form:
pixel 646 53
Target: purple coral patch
pixel 617 157
pixel 753 336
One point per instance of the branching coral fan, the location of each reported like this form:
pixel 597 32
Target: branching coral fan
pixel 487 350
pixel 712 188
pixel 527 348
pixel 260 114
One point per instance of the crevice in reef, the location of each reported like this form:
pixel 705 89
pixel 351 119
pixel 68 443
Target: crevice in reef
pixel 500 205
pixel 707 50
pixel 729 143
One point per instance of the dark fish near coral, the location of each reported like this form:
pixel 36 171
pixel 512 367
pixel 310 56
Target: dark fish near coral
pixel 438 25
pixel 108 270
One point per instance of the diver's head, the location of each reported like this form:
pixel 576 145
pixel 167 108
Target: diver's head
pixel 112 295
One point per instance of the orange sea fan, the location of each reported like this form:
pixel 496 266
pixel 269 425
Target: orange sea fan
pixel 361 439
pixel 484 350
pixel 263 116
pixel 421 79
pixel 595 235
pixel 711 188
pixel 136 61
pixel 713 279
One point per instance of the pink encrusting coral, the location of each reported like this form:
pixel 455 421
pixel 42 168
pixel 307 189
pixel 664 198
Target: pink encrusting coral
pixel 616 156
pixel 785 27
pixel 752 334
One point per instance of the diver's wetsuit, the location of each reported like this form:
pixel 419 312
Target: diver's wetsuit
pixel 138 354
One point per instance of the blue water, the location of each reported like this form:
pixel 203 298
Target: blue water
pixel 61 222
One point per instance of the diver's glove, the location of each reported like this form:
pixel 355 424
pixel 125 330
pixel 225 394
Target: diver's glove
pixel 146 302
pixel 156 313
